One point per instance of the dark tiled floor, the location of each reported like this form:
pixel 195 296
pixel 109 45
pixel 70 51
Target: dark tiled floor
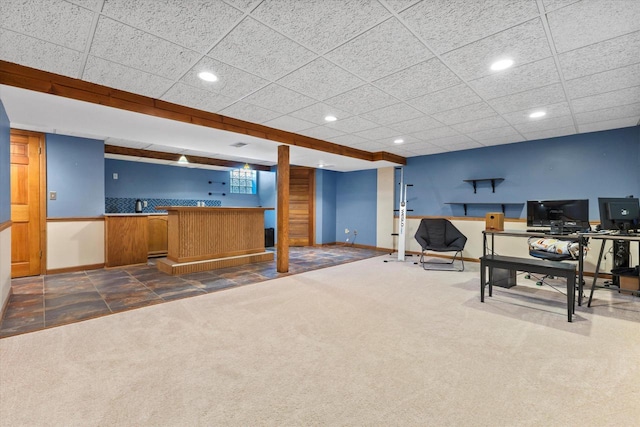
pixel 46 301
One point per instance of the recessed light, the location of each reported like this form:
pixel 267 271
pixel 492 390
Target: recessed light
pixel 330 118
pixel 208 77
pixel 398 141
pixel 537 114
pixel 503 64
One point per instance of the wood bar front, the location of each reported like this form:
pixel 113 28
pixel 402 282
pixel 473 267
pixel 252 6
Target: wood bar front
pixel 206 238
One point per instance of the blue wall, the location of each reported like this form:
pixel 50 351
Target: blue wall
pixel 267 197
pixel 356 205
pixel 75 170
pixel 325 203
pixel 5 167
pixel 584 166
pixel 150 180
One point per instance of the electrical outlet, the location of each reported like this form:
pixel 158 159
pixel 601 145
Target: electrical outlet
pixel 53 195
pixel 144 204
pixel 115 175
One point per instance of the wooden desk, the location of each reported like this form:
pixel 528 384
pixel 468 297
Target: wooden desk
pixel 206 238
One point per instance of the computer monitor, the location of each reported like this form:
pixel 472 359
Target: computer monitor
pixel 622 213
pixel 571 215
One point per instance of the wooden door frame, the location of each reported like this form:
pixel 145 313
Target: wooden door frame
pixel 42 164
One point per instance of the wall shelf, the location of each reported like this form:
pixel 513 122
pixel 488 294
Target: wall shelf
pixel 475 183
pixel 501 204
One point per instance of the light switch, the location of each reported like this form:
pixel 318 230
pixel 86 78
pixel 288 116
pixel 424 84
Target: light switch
pixel 53 195
pixel 115 175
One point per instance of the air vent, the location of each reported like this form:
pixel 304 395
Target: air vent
pixel 239 144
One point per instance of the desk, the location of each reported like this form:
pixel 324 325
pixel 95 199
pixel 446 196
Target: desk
pixel 580 238
pixel 605 238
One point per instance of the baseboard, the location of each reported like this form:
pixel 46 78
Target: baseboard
pixel 75 269
pixel 6 304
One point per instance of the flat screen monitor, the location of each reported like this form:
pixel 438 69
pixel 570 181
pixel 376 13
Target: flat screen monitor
pixel 570 214
pixel 622 213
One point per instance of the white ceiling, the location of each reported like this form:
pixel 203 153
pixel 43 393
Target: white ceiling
pixel 387 69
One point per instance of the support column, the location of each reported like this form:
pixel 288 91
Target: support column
pixel 282 247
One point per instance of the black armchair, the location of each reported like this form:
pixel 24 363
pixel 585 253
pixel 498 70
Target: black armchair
pixel 440 235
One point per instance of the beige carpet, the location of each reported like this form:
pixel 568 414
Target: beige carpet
pixel 365 343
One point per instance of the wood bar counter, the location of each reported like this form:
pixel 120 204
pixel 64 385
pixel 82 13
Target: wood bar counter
pixel 206 238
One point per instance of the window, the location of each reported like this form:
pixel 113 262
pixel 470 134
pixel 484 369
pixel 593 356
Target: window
pixel 243 181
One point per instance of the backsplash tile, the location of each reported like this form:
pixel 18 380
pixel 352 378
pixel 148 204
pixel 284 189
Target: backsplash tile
pixel 128 205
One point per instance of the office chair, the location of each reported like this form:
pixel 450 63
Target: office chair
pixel 440 235
pixel 552 250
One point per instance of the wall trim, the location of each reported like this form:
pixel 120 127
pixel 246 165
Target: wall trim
pixel 5 225
pixel 75 268
pixel 76 219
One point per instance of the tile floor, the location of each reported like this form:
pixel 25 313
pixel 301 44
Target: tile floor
pixel 47 301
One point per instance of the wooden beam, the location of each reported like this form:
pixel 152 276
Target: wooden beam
pixel 42 81
pixel 137 152
pixel 282 246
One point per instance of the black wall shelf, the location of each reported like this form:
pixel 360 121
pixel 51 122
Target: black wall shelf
pixel 475 183
pixel 501 204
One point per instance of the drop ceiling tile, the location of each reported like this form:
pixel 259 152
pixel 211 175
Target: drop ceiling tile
pixel 352 124
pixel 480 124
pixel 507 133
pixel 607 81
pixel 518 79
pixel 603 56
pixel 321 132
pixel 550 5
pixel 538 97
pixel 552 110
pixel 452 141
pixel 550 133
pixel 289 123
pixel 419 79
pixel 165 149
pixel 128 46
pixel 190 96
pixel 587 22
pixel 320 79
pixel 500 140
pixel 250 113
pixel 232 82
pixel 385 49
pixel 58 22
pixel 446 99
pixel 408 139
pixel 615 113
pixel 244 5
pixel 39 54
pixel 258 49
pixel 318 25
pixel 392 114
pixel 606 100
pixel 377 134
pixel 608 124
pixel 399 5
pixel 196 27
pixel 317 112
pixel 544 124
pixel 372 146
pixel 448 24
pixel 106 73
pixel 361 99
pixel 278 98
pixel 348 140
pixel 465 114
pixel 400 151
pixel 437 133
pixel 424 149
pixel 88 4
pixel 416 125
pixel 524 43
